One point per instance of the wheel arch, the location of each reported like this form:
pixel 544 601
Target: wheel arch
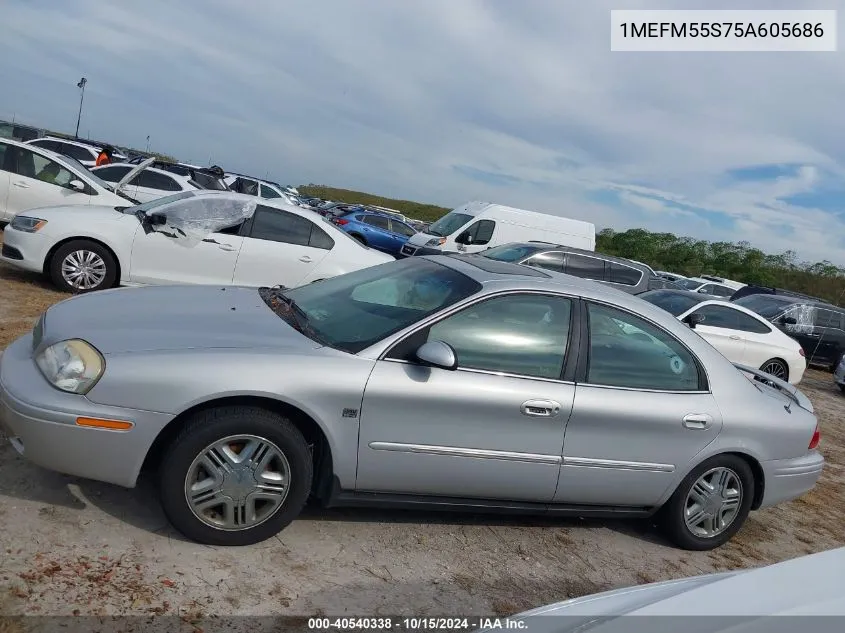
pixel 316 437
pixel 780 360
pixel 747 457
pixel 45 267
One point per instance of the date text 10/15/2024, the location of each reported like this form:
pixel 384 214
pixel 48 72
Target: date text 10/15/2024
pixel 723 31
pixel 416 624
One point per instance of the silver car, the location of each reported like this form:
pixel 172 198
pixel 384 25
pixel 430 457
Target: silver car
pixel 441 382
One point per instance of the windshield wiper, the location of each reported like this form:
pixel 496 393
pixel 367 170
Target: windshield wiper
pixel 282 304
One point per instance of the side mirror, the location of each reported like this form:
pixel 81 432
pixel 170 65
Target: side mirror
pixel 438 354
pixel 77 185
pixel 788 320
pixel 693 319
pixel 464 238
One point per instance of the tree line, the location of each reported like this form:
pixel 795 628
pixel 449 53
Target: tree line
pixel 733 260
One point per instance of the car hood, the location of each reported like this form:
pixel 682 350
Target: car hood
pixel 169 318
pixel 733 601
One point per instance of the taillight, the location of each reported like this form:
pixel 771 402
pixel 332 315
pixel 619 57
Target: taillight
pixel 801 351
pixel 816 437
pixel 340 221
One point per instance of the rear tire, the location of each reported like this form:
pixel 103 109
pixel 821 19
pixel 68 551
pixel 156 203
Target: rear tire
pixel 247 472
pixel 701 494
pixel 777 368
pixel 83 266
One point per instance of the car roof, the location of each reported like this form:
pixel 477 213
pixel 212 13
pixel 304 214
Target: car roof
pixel 540 247
pixel 155 170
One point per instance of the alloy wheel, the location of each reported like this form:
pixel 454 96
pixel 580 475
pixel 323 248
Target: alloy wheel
pixel 83 270
pixel 776 369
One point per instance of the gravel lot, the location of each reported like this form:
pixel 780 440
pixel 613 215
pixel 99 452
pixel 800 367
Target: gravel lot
pixel 71 546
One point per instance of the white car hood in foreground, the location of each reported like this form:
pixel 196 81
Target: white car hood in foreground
pixel 736 601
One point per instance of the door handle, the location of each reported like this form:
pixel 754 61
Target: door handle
pixel 226 247
pixel 540 408
pixel 22 185
pixel 813 335
pixel 306 259
pixel 734 337
pixel 698 421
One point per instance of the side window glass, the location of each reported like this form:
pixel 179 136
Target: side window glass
pixel 622 274
pixel 79 153
pixel 586 267
pixel 280 226
pixel 483 232
pixel 717 316
pixel 549 261
pixel 401 229
pixel 827 318
pixel 49 171
pixel 629 352
pixel 515 334
pixel 112 173
pixel 160 182
pixel 377 221
pixel 269 193
pixel 320 239
pixel 3 147
pixel 750 324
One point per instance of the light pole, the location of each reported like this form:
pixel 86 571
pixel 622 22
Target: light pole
pixel 81 86
pixel 148 143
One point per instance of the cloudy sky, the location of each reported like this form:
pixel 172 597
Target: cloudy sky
pixel 445 101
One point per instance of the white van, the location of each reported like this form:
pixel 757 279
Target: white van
pixel 477 226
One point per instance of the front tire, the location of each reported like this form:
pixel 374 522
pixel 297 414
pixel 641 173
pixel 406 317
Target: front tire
pixel 711 504
pixel 83 266
pixel 235 476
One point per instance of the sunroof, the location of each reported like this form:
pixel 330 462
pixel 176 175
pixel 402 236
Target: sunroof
pixel 501 268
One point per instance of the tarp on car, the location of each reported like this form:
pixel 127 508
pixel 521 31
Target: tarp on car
pixel 193 219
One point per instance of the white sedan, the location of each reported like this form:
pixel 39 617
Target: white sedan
pixel 742 336
pixel 202 237
pixel 145 186
pixel 32 177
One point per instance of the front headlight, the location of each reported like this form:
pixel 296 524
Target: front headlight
pixel 437 241
pixel 27 224
pixel 73 366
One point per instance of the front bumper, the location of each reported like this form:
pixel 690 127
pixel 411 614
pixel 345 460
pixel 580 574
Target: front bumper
pixel 26 251
pixel 40 421
pixel 788 479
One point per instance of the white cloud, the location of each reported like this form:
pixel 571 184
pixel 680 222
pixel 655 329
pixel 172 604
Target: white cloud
pixel 411 98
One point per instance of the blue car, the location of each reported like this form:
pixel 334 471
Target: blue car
pixel 376 230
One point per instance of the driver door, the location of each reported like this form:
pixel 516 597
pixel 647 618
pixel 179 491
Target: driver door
pixel 493 428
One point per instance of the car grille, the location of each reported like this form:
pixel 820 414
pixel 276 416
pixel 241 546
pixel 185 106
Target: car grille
pixel 10 252
pixel 408 250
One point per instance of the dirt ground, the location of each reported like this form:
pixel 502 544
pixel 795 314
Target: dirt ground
pixel 70 546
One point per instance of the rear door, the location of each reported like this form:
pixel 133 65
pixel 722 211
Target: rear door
pixel 280 248
pixel 828 331
pixel 376 230
pixel 642 412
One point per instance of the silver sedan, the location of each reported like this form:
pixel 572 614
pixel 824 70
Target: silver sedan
pixel 440 382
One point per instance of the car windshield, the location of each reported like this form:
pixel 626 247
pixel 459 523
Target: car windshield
pixel 448 224
pixel 509 252
pixel 690 284
pixel 353 311
pixel 765 305
pixel 84 171
pixel 673 302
